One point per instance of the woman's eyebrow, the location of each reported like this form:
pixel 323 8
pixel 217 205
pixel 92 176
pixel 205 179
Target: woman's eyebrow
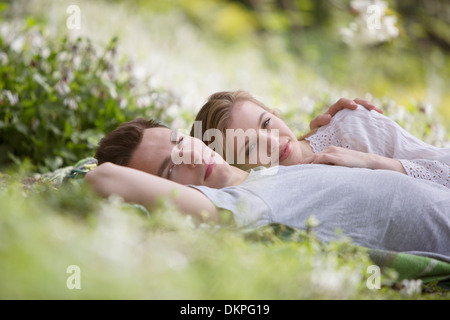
pixel 261 117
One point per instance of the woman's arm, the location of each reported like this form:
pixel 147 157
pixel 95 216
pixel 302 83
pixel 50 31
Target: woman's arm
pixel 354 159
pixel 145 189
pixel 382 144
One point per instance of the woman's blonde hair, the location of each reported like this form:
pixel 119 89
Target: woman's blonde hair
pixel 216 113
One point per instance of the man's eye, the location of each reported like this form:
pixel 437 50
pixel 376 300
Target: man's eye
pixel 180 140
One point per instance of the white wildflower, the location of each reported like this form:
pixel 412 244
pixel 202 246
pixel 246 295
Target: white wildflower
pixel 389 24
pixel 37 40
pixel 3 58
pixel 77 59
pixel 113 91
pixel 63 56
pixel 176 260
pixel 144 101
pixel 327 278
pixel 371 26
pixel 179 123
pixel 411 287
pixel 17 44
pixel 45 52
pixel 71 103
pixel 62 88
pixel 172 110
pixel 307 104
pixel 312 221
pixel 12 97
pixel 123 103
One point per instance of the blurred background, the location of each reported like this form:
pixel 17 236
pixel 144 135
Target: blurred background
pixel 73 70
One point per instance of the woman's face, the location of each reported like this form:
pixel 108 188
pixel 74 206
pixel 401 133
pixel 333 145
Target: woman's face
pixel 265 136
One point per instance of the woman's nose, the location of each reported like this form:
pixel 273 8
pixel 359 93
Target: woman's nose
pixel 269 140
pixel 196 158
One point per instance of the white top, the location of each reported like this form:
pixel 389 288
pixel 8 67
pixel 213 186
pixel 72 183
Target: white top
pixel 372 132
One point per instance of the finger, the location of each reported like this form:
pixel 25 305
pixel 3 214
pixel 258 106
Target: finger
pixel 364 103
pixel 320 120
pixel 342 104
pixel 367 105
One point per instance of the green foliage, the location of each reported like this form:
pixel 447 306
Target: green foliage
pixel 59 97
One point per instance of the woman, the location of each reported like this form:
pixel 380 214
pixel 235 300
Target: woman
pixel 376 208
pixel 353 138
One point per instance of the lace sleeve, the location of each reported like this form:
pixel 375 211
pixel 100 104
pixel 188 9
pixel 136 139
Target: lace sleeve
pixel 431 170
pixel 325 137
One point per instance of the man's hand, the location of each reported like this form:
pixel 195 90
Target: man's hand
pixel 354 159
pixel 342 103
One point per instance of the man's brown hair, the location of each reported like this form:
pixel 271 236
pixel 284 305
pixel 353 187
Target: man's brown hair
pixel 119 145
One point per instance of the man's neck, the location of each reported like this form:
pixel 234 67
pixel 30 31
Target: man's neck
pixel 237 176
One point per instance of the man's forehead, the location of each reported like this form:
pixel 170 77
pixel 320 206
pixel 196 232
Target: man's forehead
pixel 157 137
pixel 154 147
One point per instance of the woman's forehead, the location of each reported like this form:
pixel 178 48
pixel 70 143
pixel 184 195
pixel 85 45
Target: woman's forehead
pixel 244 114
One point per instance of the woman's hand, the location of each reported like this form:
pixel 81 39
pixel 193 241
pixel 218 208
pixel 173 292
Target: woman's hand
pixel 342 103
pixel 354 159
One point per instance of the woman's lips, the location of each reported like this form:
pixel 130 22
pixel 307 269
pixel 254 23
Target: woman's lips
pixel 285 151
pixel 209 168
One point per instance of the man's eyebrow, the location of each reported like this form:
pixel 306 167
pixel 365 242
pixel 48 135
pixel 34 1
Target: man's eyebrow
pixel 247 140
pixel 166 161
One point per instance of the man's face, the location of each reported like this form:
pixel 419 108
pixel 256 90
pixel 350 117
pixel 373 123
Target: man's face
pixel 179 158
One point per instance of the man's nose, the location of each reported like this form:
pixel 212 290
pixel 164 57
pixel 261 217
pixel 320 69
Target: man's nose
pixel 191 157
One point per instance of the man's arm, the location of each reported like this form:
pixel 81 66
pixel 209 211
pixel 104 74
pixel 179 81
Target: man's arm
pixel 145 189
pixel 342 103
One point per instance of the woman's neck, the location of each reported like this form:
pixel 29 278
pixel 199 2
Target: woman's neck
pixel 306 148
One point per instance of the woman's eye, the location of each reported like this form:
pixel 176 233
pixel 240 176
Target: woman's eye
pixel 169 172
pixel 250 148
pixel 266 123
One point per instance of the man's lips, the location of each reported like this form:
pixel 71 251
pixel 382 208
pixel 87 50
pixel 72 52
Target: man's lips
pixel 285 151
pixel 209 168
